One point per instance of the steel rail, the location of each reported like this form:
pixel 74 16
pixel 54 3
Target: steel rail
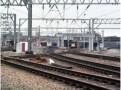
pixel 88 65
pixel 64 79
pixel 99 78
pixel 92 63
pixel 117 59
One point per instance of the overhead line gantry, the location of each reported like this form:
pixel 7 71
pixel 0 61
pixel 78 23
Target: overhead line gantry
pixel 29 3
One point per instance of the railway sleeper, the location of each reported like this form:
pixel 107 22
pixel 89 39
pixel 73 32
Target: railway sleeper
pixel 117 84
pixel 87 77
pixel 58 79
pixel 54 78
pixel 44 74
pixel 84 77
pixel 113 83
pixel 64 72
pixel 94 69
pixel 86 88
pixel 40 74
pixel 46 68
pixel 84 66
pixel 96 79
pixel 52 69
pixel 90 63
pixel 69 73
pixel 74 74
pixel 63 80
pixel 78 85
pixel 71 83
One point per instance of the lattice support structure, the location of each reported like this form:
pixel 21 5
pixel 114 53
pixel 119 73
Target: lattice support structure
pixel 59 2
pixel 107 21
pixel 13 18
pixel 29 4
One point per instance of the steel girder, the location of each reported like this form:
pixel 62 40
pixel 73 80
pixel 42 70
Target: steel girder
pixel 107 21
pixel 59 2
pixel 13 17
pixel 4 16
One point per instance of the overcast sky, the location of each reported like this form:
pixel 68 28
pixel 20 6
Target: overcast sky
pixel 94 11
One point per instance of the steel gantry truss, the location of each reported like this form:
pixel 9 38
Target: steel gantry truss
pixel 68 23
pixel 76 21
pixel 29 4
pixel 5 16
pixel 98 22
pixel 13 18
pixel 59 2
pixel 107 21
pixel 91 25
pixel 64 23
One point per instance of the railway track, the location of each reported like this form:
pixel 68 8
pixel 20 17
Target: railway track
pixel 116 68
pixel 106 69
pixel 112 58
pixel 96 78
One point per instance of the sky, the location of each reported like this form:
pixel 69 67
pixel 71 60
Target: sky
pixel 94 11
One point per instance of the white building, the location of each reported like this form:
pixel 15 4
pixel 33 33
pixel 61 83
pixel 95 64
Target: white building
pixel 82 39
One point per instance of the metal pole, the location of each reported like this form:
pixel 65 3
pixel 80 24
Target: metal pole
pixel 39 38
pixel 92 26
pixel 68 39
pixel 78 39
pixel 29 28
pixel 14 47
pixel 102 39
pixel 98 45
pixel 90 35
pixel 62 41
pixel 19 31
pixel 58 35
pixel 84 39
pixel 58 41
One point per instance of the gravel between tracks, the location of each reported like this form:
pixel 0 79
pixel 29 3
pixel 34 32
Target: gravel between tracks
pixel 15 79
pixel 10 53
